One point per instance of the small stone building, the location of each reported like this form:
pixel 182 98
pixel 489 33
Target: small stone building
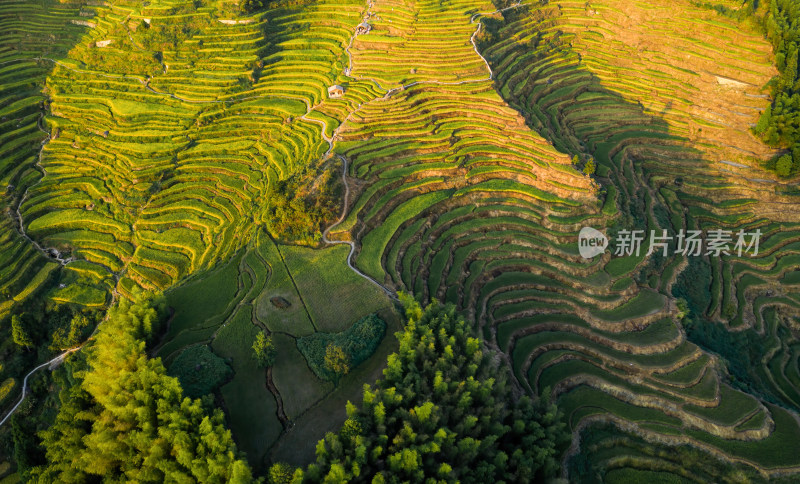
pixel 335 91
pixel 363 28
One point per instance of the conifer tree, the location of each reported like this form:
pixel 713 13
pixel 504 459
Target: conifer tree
pixel 442 412
pixel 127 420
pixel 20 334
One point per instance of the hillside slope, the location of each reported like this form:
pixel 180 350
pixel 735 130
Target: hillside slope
pixel 152 138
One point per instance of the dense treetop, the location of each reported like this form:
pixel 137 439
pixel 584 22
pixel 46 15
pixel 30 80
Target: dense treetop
pixel 126 420
pixel 780 123
pixel 442 412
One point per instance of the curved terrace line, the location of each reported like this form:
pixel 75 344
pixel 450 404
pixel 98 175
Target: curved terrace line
pixel 53 254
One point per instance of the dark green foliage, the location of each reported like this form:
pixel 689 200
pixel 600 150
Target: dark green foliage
pixel 20 333
pixel 736 348
pixel 442 412
pixel 199 371
pixel 264 350
pixel 357 343
pixel 783 166
pixel 249 6
pixel 780 124
pixel 693 285
pixel 27 452
pixel 126 419
pixel 72 334
pixel 740 355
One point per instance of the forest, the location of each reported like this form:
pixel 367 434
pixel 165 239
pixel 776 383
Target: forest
pixel 122 418
pixel 444 410
pixel 779 125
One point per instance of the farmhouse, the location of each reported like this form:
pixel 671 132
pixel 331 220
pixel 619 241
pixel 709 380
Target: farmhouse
pixel 335 91
pixel 363 28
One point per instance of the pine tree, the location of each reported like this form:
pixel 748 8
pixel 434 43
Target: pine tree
pixel 441 413
pixel 336 361
pixel 20 334
pixel 264 350
pixel 764 121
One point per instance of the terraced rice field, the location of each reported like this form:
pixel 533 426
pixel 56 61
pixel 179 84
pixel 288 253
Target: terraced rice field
pixel 27 31
pixel 159 168
pixel 458 139
pixel 464 202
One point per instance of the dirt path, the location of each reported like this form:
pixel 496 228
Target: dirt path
pixel 389 92
pixel 352 245
pixel 50 253
pixel 51 365
pixel 278 400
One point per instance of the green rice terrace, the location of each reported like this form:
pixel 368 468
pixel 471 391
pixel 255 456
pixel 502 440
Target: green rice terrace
pixel 344 241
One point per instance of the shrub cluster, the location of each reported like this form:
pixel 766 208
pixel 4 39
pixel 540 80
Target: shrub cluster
pixel 357 342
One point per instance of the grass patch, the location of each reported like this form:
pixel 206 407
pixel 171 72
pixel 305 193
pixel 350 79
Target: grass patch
pixel 292 319
pixel 297 384
pixel 251 407
pixel 333 294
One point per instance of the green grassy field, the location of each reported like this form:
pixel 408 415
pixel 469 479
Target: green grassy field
pixel 229 304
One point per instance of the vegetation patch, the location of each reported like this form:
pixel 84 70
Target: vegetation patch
pixel 327 352
pixel 199 371
pixel 443 412
pixel 300 206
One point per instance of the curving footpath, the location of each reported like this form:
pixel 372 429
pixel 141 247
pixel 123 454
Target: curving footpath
pixel 52 364
pixel 352 245
pixel 388 92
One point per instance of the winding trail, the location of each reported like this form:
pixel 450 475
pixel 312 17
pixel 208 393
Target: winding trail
pixel 51 364
pixel 387 93
pixel 57 360
pixel 352 245
pixel 50 253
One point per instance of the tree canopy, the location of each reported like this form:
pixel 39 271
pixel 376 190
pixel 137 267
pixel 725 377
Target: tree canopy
pixel 127 420
pixel 779 125
pixel 443 411
pixel 264 350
